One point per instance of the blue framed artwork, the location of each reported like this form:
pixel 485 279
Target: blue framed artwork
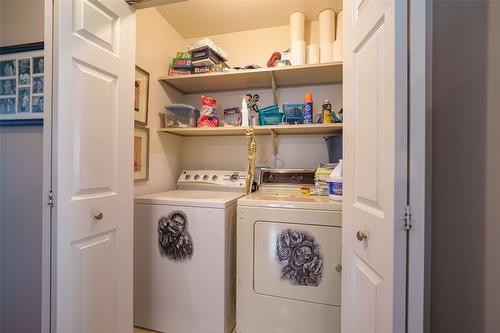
pixel 22 84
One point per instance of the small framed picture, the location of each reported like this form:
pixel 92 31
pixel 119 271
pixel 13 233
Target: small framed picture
pixel 22 84
pixel 141 154
pixel 141 93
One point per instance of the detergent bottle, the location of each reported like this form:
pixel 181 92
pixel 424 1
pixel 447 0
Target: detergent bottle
pixel 336 182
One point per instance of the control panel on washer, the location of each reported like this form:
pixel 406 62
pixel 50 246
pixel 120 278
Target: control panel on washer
pixel 213 177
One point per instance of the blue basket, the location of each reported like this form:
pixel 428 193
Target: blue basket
pixel 270 115
pixel 293 113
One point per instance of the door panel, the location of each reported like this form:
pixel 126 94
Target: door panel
pixel 96 288
pixel 375 150
pixel 364 308
pixel 95 141
pixel 93 73
pixel 97 24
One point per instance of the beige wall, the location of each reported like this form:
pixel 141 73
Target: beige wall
pixel 21 21
pixel 465 282
pixel 256 46
pixel 157 42
pixel 294 151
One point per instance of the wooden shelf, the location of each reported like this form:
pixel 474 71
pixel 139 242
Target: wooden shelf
pixel 313 129
pixel 329 73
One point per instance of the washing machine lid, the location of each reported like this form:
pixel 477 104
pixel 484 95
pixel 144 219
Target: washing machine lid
pixel 286 199
pixel 209 199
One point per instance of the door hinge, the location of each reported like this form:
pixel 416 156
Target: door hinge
pixel 50 202
pixel 407 219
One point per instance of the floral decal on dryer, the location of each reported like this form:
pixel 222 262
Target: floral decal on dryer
pixel 299 255
pixel 174 239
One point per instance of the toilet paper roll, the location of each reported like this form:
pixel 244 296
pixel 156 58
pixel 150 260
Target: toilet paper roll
pixel 326 34
pixel 297 24
pixel 312 54
pixel 298 51
pixel 337 50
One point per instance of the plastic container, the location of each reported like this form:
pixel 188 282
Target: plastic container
pixel 232 116
pixel 336 182
pixel 270 115
pixel 308 109
pixel 334 144
pixel 181 115
pixel 293 113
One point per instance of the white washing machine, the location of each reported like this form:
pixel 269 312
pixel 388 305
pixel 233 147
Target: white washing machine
pixel 288 257
pixel 184 254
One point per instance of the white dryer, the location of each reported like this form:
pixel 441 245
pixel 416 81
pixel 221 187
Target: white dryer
pixel 184 254
pixel 288 257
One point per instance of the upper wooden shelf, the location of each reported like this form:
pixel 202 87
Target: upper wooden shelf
pixel 329 73
pixel 317 129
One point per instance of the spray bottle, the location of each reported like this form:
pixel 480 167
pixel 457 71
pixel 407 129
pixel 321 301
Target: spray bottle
pixel 308 109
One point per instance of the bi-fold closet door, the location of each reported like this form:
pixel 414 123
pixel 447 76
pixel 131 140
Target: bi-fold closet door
pixel 93 50
pixel 375 166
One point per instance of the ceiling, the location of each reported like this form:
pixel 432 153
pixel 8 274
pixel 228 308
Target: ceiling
pixel 198 18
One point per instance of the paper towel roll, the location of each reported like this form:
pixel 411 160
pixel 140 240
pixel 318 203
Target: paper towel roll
pixel 339 38
pixel 298 51
pixel 339 31
pixel 312 54
pixel 326 34
pixel 337 50
pixel 297 23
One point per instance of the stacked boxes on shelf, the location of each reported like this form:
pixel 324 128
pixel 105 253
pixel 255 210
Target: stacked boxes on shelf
pixel 181 64
pixel 202 57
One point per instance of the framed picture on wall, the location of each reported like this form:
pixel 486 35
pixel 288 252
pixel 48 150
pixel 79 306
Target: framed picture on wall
pixel 141 93
pixel 22 84
pixel 141 153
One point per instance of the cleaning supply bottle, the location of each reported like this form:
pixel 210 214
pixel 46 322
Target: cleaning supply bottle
pixel 308 109
pixel 336 182
pixel 327 112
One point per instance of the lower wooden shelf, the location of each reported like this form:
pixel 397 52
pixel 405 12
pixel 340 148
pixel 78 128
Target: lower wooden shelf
pixel 309 129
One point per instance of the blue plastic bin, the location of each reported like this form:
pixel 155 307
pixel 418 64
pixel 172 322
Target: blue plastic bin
pixel 293 113
pixel 270 115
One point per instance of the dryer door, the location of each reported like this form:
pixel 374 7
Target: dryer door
pixel 298 261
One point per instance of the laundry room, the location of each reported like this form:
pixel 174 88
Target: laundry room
pixel 281 76
pixel 158 42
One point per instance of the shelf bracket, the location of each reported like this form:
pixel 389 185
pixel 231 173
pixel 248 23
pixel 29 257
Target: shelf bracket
pixel 274 138
pixel 275 87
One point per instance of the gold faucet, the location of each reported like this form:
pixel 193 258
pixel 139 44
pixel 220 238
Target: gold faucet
pixel 252 152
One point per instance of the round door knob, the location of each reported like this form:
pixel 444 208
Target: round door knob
pixel 338 268
pixel 98 215
pixel 361 236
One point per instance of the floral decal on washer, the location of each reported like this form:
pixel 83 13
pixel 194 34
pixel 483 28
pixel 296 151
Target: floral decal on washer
pixel 174 239
pixel 300 258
